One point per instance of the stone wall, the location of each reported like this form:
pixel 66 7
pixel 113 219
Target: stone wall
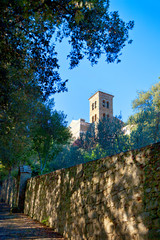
pixel 112 198
pixel 13 189
pixel 9 191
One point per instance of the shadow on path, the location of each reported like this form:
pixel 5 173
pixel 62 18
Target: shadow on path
pixel 19 226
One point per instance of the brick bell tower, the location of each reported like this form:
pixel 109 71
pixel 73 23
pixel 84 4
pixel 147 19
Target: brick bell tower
pixel 101 105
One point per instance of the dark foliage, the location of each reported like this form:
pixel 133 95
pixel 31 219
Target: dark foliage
pixel 30 29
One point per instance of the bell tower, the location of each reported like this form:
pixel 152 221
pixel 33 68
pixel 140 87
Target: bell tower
pixel 101 106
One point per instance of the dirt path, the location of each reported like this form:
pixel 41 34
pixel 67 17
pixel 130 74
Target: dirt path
pixel 19 226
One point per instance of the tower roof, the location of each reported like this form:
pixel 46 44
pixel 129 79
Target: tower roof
pixel 100 92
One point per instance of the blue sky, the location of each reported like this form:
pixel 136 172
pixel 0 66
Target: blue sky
pixel 138 71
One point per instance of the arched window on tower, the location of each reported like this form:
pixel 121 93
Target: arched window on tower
pixel 104 115
pixel 103 103
pixel 107 104
pixel 92 106
pixel 95 104
pixel 107 115
pixel 93 119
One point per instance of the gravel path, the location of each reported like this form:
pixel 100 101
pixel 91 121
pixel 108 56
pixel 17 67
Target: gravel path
pixel 19 226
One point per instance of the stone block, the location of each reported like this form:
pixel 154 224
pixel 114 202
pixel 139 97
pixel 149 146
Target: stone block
pixel 142 229
pixel 109 226
pixel 92 215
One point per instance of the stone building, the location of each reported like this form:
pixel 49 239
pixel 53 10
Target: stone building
pixel 78 127
pixel 101 105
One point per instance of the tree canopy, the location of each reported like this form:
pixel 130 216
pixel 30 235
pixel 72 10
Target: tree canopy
pixel 105 138
pixel 111 136
pixel 29 68
pixel 145 123
pixel 48 134
pixel 33 137
pixel 30 29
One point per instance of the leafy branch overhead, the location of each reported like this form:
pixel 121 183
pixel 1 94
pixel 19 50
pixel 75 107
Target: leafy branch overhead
pixel 30 29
